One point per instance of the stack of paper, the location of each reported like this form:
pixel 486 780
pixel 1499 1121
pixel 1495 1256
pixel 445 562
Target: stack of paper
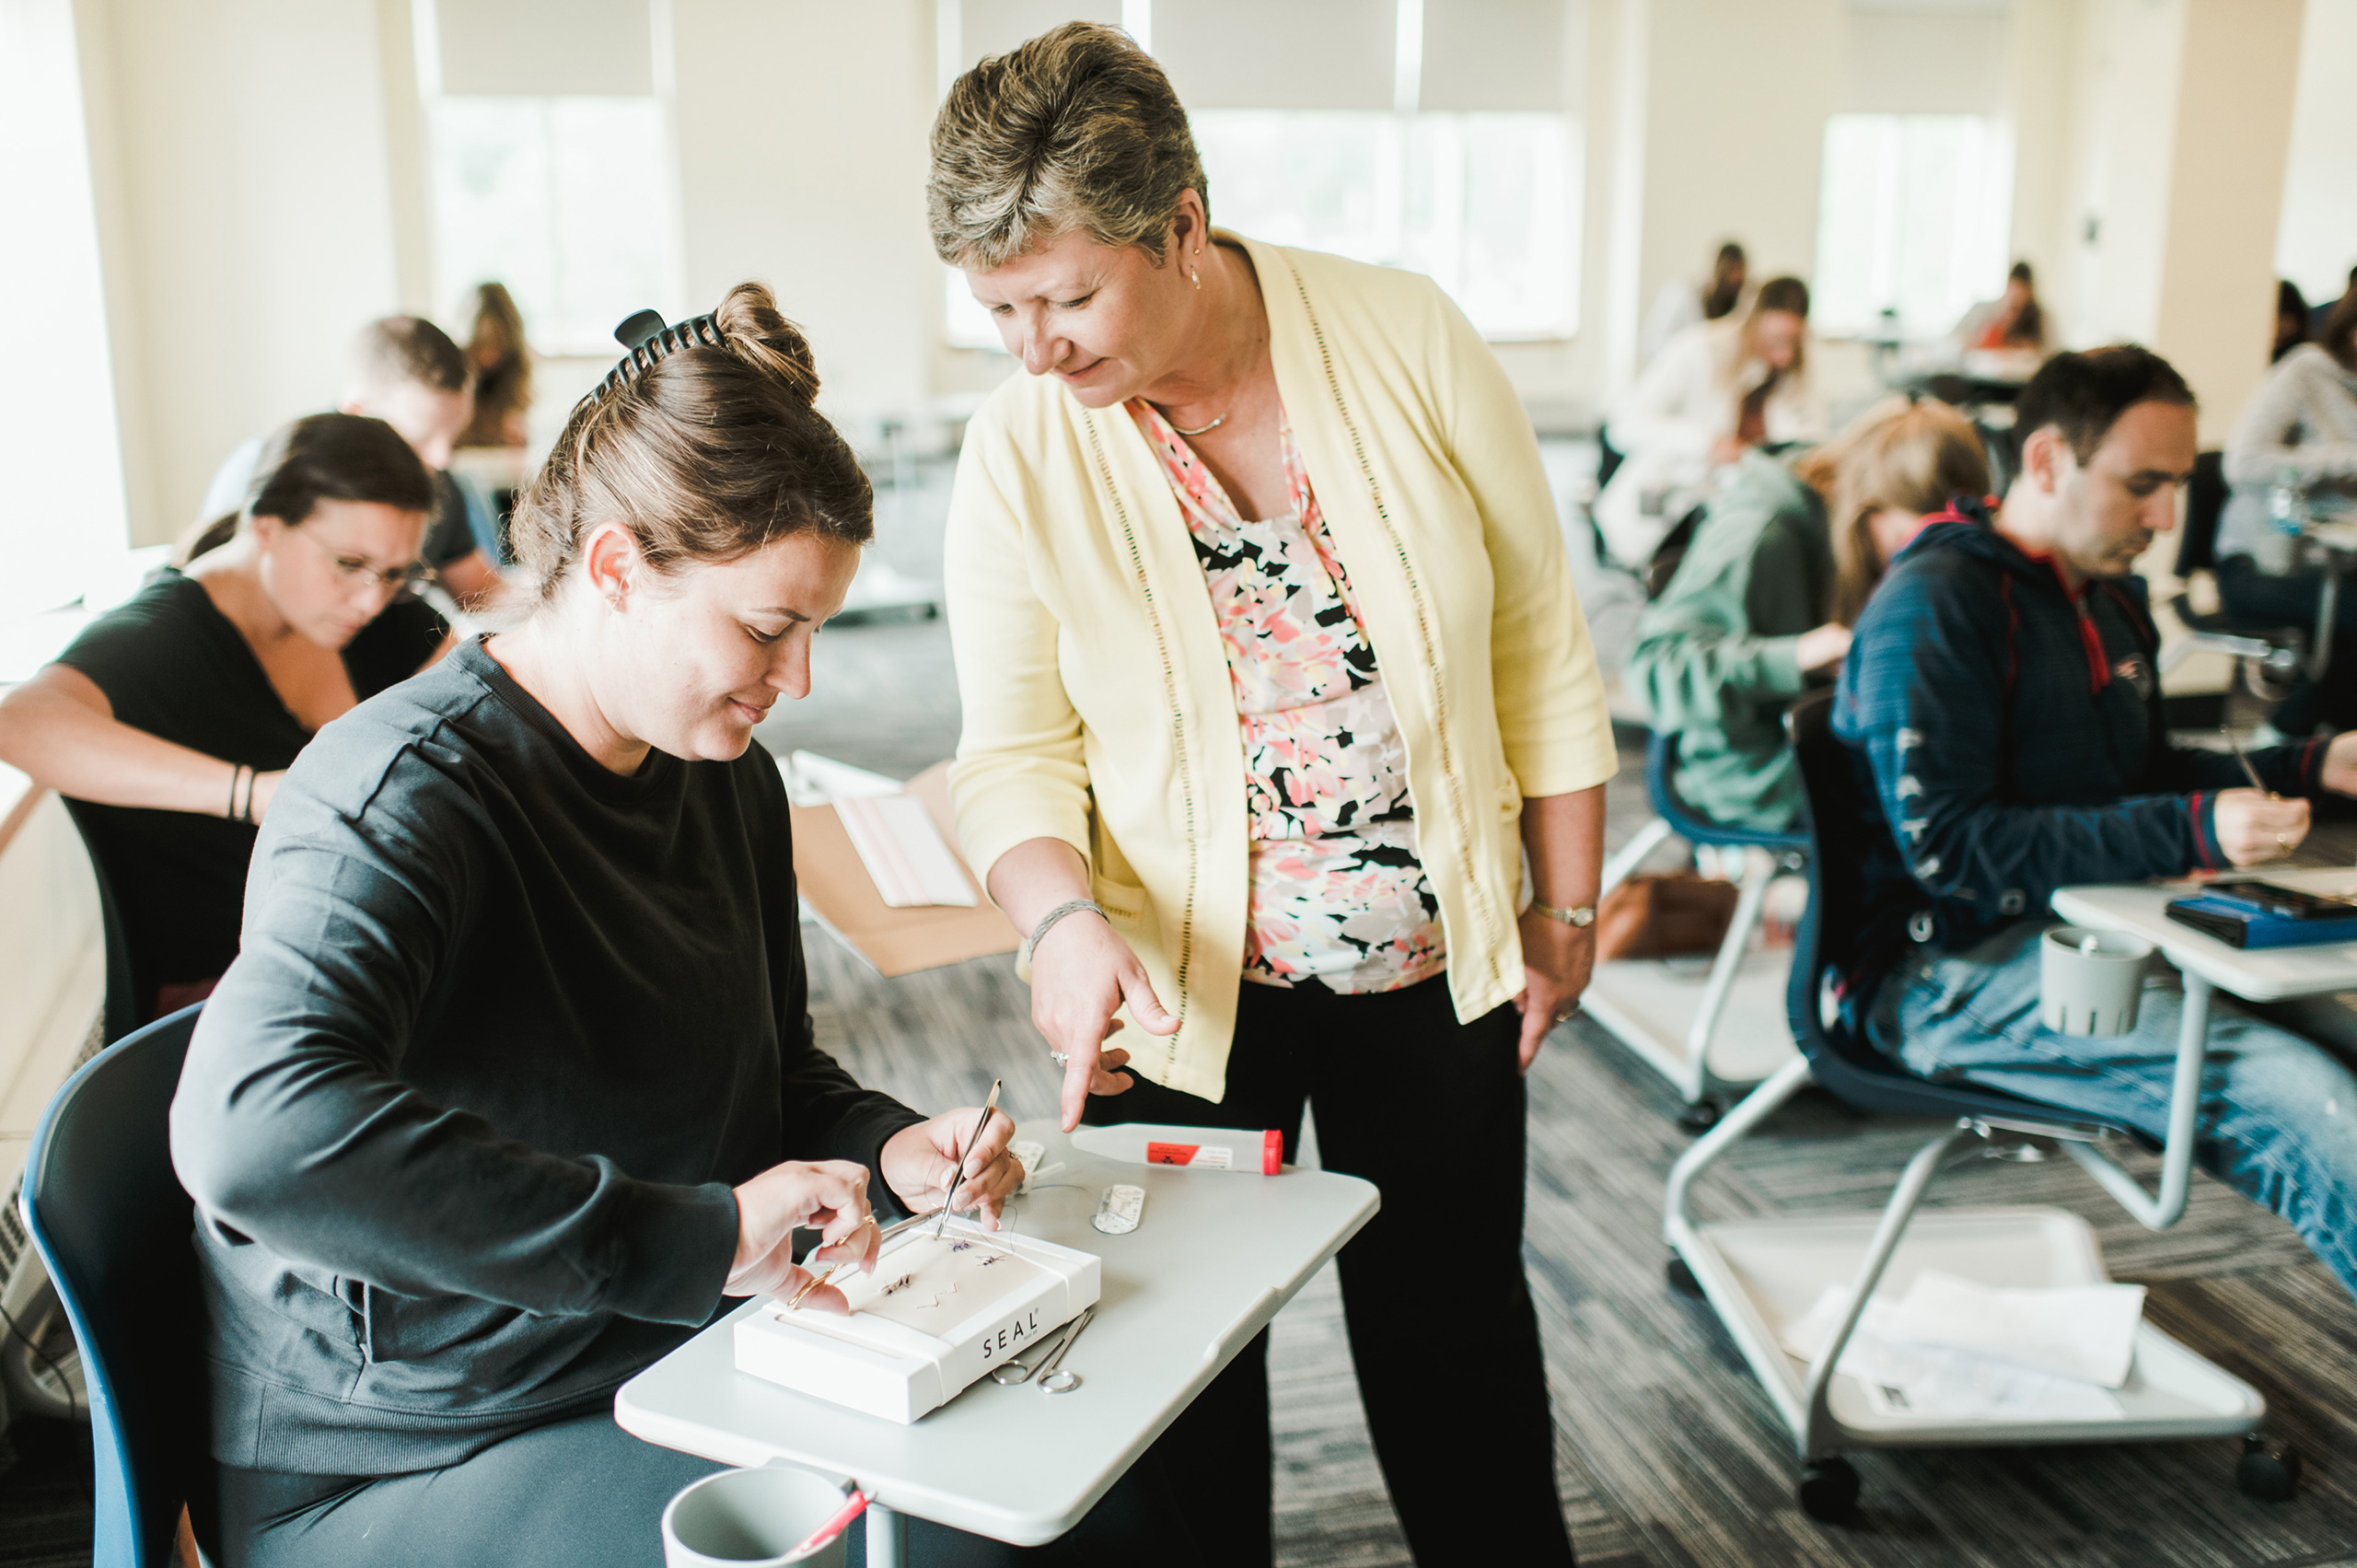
pixel 1951 1348
pixel 903 852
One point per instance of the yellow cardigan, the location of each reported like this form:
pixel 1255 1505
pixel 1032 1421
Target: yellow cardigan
pixel 1097 708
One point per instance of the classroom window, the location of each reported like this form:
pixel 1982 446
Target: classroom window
pixel 1485 203
pixel 564 200
pixel 1913 218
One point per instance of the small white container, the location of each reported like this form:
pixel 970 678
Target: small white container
pixel 753 1519
pixel 911 1347
pixel 2089 981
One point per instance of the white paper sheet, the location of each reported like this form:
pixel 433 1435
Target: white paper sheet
pixel 1954 1349
pixel 903 852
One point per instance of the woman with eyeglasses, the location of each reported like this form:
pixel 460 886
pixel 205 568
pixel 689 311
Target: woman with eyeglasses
pixel 169 722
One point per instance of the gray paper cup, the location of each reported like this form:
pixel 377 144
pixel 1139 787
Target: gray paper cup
pixel 2089 980
pixel 752 1519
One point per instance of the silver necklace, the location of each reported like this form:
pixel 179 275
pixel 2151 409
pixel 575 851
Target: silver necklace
pixel 1201 429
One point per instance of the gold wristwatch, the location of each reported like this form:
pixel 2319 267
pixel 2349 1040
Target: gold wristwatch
pixel 1578 914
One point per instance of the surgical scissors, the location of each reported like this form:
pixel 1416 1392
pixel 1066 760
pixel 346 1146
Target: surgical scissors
pixel 1047 1372
pixel 1019 1371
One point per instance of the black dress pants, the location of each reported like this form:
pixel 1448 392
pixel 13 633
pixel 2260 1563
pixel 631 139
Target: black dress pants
pixel 1441 1325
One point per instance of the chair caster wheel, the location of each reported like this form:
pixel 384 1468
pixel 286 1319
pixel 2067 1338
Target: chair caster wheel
pixel 2269 1470
pixel 1829 1489
pixel 1699 1118
pixel 1680 1277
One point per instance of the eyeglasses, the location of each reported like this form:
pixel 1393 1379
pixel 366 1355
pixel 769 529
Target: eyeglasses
pixel 352 568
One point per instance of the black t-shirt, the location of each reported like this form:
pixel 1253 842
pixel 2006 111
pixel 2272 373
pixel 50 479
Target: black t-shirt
pixel 171 664
pixel 462 1119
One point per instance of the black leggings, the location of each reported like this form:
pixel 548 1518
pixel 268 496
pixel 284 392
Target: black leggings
pixel 583 1494
pixel 1432 1112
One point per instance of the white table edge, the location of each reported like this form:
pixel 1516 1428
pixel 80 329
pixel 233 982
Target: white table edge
pixel 689 1438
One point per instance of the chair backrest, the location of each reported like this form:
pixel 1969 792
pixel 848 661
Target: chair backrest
pixel 114 1229
pixel 1840 813
pixel 125 999
pixel 2205 504
pixel 1661 787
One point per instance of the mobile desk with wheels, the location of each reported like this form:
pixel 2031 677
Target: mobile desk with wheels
pixel 1215 1257
pixel 1760 1274
pixel 1671 1015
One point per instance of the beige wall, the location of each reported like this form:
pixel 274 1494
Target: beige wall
pixel 801 130
pixel 2217 314
pixel 245 221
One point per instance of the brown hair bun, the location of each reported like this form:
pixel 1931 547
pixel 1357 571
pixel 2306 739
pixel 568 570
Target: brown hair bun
pixel 706 453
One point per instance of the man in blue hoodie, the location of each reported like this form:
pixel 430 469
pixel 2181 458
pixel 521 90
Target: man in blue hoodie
pixel 2001 692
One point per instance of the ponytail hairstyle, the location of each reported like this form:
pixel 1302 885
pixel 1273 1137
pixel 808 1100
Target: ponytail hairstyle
pixel 702 443
pixel 1904 455
pixel 321 456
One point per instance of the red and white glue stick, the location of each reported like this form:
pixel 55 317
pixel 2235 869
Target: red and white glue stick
pixel 1195 1149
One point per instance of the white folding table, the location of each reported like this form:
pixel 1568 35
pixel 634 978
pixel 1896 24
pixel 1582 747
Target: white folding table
pixel 2269 974
pixel 1214 1258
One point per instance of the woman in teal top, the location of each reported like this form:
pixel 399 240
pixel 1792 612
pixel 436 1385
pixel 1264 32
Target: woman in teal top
pixel 1762 603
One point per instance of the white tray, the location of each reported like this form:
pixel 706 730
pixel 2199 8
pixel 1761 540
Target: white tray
pixel 1762 1273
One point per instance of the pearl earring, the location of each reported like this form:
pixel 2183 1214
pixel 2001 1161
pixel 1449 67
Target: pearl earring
pixel 1198 276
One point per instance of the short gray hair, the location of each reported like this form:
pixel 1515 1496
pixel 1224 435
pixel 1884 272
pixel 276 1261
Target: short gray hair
pixel 1075 130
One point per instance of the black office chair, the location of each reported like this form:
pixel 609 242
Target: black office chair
pixel 2268 656
pixel 114 1229
pixel 125 1000
pixel 1685 1060
pixel 1753 1272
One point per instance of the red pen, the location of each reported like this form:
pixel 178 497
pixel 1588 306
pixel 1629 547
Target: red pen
pixel 825 1534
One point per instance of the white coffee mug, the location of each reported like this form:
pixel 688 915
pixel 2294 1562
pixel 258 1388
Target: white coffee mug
pixel 753 1518
pixel 2089 981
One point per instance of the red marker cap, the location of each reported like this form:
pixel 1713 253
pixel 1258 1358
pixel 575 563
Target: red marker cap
pixel 1273 1152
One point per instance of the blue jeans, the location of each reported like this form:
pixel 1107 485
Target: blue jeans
pixel 2278 1112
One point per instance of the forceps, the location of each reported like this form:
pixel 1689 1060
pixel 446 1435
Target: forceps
pixel 1018 1371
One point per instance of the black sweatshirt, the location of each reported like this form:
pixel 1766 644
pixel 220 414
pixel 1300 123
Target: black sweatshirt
pixel 462 1119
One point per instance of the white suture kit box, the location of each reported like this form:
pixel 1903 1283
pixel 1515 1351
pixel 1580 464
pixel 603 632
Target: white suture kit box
pixel 935 1315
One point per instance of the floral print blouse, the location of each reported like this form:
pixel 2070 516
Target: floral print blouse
pixel 1339 893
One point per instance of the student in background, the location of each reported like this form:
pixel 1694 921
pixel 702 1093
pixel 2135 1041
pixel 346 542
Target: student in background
pixel 1718 388
pixel 170 720
pixel 2008 333
pixel 2319 314
pixel 1761 604
pixel 2002 691
pixel 2290 320
pixel 2296 443
pixel 407 372
pixel 1680 304
pixel 502 362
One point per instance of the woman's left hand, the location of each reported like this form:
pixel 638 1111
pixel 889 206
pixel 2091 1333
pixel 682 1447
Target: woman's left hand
pixel 918 1162
pixel 1556 959
pixel 2339 774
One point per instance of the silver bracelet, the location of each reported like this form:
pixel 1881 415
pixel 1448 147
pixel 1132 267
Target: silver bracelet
pixel 1053 915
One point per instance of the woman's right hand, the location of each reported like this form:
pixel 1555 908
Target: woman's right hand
pixel 828 1196
pixel 1082 973
pixel 2254 828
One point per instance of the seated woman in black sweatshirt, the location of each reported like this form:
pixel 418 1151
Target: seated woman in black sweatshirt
pixel 169 722
pixel 514 1083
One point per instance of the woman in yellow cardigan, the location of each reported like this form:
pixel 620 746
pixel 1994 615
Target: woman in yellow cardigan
pixel 1272 673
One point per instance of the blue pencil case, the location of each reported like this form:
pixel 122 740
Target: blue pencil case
pixel 2239 923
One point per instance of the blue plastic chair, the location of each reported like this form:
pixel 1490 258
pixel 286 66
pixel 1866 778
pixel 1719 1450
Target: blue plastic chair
pixel 1687 1063
pixel 1839 1058
pixel 114 1229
